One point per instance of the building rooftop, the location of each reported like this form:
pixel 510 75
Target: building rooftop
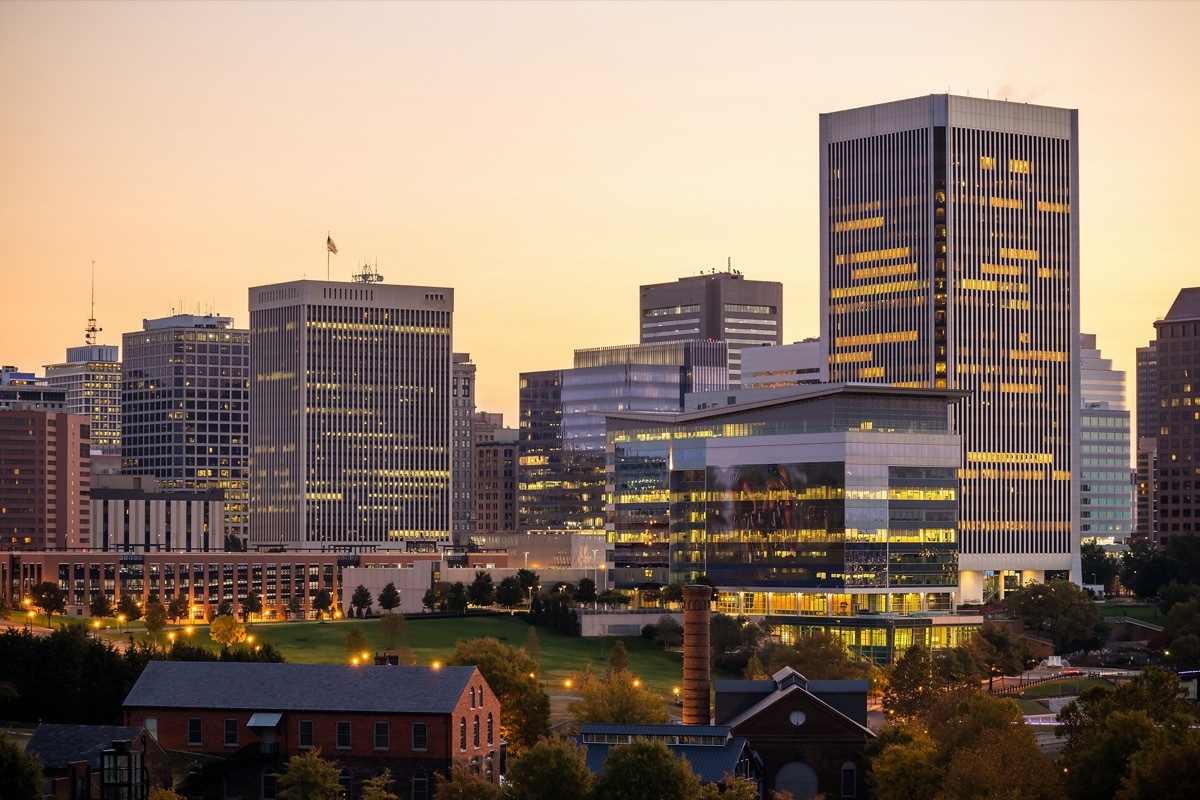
pixel 1186 305
pixel 300 687
pixel 60 745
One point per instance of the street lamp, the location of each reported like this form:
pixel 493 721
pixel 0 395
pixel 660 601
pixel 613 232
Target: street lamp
pixel 120 621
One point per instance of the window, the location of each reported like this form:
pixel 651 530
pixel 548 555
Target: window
pixel 306 733
pixel 472 697
pixel 231 732
pixel 476 731
pixel 151 726
pixel 194 731
pixel 462 734
pixel 420 786
pixel 420 736
pixel 382 736
pixel 849 780
pixel 342 735
pixel 269 787
pixel 489 729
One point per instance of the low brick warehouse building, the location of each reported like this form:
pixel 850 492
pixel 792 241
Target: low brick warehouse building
pixel 415 721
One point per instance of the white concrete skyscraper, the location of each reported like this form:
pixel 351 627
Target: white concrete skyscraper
pixel 350 418
pixel 950 259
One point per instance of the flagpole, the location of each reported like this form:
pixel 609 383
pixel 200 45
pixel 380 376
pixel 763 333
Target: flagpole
pixel 328 234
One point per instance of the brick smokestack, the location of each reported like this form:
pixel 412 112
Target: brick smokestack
pixel 697 600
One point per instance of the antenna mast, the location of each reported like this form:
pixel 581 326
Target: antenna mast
pixel 368 274
pixel 89 334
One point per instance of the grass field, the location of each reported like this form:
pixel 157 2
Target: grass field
pixel 434 640
pixel 1063 688
pixel 1144 612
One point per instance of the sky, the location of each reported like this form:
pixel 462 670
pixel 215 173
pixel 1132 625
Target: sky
pixel 542 159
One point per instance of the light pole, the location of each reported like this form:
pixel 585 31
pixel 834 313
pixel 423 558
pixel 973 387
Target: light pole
pixel 526 559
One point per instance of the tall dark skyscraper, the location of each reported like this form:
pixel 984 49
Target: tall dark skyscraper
pixel 1145 492
pixel 950 259
pixel 185 408
pixel 542 503
pixel 1178 473
pixel 718 306
pixel 1147 392
pixel 351 418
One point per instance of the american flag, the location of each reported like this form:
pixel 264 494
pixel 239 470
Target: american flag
pixel 330 246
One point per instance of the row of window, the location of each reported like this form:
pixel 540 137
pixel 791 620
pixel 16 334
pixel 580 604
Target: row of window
pixel 306 733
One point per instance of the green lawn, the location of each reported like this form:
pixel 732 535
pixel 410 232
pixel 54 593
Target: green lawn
pixel 1063 688
pixel 1140 611
pixel 434 639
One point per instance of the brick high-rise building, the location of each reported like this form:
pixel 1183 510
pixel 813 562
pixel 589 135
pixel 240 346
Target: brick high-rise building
pixel 45 475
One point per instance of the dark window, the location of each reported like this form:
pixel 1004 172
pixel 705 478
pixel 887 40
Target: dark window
pixel 849 780
pixel 269 787
pixel 420 736
pixel 342 738
pixel 231 733
pixel 420 787
pixel 382 736
pixel 194 732
pixel 476 731
pixel 489 729
pixel 462 734
pixel 306 733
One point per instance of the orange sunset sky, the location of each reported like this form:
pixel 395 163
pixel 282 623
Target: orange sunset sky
pixel 543 159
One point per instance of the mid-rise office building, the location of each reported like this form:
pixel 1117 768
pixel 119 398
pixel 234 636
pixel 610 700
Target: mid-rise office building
pixel 462 471
pixel 541 499
pixel 1146 490
pixel 351 423
pixel 950 259
pixel 715 306
pixel 25 390
pixel 45 478
pixel 185 409
pixel 1106 479
pixel 1178 472
pixel 496 481
pixel 132 514
pixel 91 380
pixel 784 366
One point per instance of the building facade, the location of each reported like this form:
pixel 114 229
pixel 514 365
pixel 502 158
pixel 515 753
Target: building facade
pixel 715 306
pixel 782 366
pixel 1106 494
pixel 351 423
pixel 1178 470
pixel 1147 392
pixel 185 409
pixel 131 514
pixel 541 499
pixel 462 470
pixel 91 380
pixel 810 509
pixel 45 479
pixel 26 390
pixel 950 258
pixel 496 482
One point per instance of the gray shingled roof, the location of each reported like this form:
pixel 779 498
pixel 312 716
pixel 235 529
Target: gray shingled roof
pixel 59 745
pixel 710 763
pixel 299 687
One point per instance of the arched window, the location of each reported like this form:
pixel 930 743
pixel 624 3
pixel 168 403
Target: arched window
pixel 490 738
pixel 269 786
pixel 472 697
pixel 345 781
pixel 476 737
pixel 420 786
pixel 849 780
pixel 462 734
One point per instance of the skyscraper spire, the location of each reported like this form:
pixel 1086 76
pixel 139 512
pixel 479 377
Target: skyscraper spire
pixel 89 334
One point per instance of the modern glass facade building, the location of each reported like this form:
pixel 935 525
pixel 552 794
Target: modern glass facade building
pixel 829 502
pixel 91 377
pixel 950 258
pixel 1106 479
pixel 185 409
pixel 350 425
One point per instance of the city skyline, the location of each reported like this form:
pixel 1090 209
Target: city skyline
pixel 534 157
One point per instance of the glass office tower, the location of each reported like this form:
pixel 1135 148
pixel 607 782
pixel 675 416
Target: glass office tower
pixel 950 259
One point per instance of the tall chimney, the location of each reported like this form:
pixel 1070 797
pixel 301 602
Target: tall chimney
pixel 697 601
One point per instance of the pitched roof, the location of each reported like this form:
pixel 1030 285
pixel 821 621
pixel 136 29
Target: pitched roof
pixel 710 762
pixel 59 745
pixel 300 687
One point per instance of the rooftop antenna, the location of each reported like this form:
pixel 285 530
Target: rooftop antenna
pixel 368 274
pixel 89 333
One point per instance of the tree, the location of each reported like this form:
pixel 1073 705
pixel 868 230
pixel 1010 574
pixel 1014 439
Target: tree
pixel 1097 566
pixel 913 684
pixel 356 640
pixel 156 619
pixel 361 600
pixel 392 626
pixel 906 770
pixel 731 787
pixel 309 777
pixel 529 581
pixel 509 593
pixel 165 793
pixel 646 770
pixel 1063 611
pixel 225 609
pixel 818 655
pixel 49 599
pixel 754 669
pixel 464 784
pixel 482 591
pixel 322 602
pixel 672 593
pixel 295 607
pixel 618 658
pixel 724 634
pixel 5 608
pixel 20 772
pixel 1166 768
pixel 618 697
pixel 379 787
pixel 1134 559
pixel 613 597
pixel 128 606
pixel 435 596
pixel 585 591
pixel 532 646
pixel 389 597
pixel 100 606
pixel 512 675
pixel 179 607
pixel 668 632
pixel 457 598
pixel 552 768
pixel 252 605
pixel 225 630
